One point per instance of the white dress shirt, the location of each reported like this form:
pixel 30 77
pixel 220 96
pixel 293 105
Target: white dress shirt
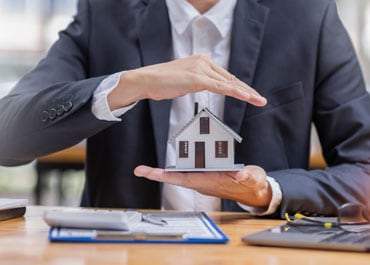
pixel 192 33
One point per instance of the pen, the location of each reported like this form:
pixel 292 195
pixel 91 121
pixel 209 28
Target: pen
pixel 116 235
pixel 136 216
pixel 152 219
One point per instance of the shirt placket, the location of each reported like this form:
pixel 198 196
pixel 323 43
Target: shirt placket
pixel 201 44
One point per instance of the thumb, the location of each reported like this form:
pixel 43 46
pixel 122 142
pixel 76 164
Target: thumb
pixel 251 176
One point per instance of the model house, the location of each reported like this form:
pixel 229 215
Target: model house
pixel 205 143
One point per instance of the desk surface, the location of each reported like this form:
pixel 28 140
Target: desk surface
pixel 24 241
pixel 74 154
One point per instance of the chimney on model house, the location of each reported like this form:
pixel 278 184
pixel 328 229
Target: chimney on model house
pixel 196 108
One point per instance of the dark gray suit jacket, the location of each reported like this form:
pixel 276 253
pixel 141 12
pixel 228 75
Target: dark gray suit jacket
pixel 294 52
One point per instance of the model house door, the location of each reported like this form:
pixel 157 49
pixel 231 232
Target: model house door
pixel 200 156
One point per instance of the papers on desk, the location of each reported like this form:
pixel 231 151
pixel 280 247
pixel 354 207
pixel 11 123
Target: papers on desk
pixel 180 227
pixel 12 208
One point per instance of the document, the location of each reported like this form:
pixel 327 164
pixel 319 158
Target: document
pixel 170 227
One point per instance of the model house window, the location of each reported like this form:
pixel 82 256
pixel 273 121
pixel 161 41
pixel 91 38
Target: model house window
pixel 184 149
pixel 204 125
pixel 221 149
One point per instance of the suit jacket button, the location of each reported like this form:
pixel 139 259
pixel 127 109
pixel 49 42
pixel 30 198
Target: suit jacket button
pixel 68 106
pixel 52 114
pixel 60 110
pixel 44 116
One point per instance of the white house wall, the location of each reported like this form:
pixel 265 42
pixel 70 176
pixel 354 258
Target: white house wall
pixel 216 133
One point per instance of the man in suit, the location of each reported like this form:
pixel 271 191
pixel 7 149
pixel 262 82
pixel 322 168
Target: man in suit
pixel 124 75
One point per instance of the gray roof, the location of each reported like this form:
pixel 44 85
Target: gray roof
pixel 236 136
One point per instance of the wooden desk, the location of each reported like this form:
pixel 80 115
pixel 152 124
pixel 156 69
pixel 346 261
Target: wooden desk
pixel 24 241
pixel 74 154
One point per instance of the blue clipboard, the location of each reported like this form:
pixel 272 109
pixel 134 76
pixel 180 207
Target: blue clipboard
pixel 181 227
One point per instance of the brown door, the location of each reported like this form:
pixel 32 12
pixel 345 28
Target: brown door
pixel 200 159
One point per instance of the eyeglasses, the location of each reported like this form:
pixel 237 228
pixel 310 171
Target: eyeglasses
pixel 352 217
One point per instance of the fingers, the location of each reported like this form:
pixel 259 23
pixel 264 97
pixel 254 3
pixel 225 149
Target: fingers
pixel 209 183
pixel 149 172
pixel 219 84
pixel 251 177
pixel 232 90
pixel 222 82
pixel 201 181
pixel 158 174
pixel 188 75
pixel 248 186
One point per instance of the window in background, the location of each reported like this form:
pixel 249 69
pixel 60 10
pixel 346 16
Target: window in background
pixel 28 28
pixel 13 6
pixel 356 19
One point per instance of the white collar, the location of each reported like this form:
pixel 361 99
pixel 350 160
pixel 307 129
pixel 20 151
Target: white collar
pixel 182 13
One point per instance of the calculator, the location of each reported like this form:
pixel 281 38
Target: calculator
pixel 91 218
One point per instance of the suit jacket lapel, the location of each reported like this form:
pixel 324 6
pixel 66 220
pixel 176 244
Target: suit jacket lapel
pixel 156 47
pixel 247 34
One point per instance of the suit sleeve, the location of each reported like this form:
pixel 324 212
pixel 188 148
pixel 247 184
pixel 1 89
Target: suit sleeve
pixel 50 108
pixel 342 117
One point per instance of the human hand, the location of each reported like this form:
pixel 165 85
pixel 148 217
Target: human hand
pixel 178 78
pixel 248 186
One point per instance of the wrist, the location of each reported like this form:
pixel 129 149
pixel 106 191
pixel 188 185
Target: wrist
pixel 264 196
pixel 258 198
pixel 125 93
pixel 275 202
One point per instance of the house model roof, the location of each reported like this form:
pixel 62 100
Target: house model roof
pixel 236 136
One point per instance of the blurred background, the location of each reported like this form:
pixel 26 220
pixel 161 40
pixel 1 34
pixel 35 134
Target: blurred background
pixel 27 30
